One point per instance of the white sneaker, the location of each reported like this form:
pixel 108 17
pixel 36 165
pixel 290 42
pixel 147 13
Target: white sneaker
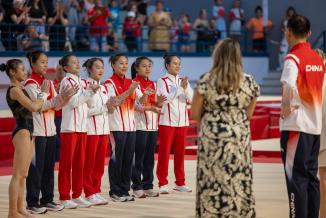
pixel 104 201
pixel 139 194
pixel 81 202
pixel 182 188
pixel 94 200
pixel 69 204
pixel 164 189
pixel 151 193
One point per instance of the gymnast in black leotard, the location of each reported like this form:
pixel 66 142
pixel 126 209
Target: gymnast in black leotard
pixel 21 106
pixel 23 117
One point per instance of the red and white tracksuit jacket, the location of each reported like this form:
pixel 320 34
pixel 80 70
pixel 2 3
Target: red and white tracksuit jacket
pixel 97 140
pixel 43 121
pixel 123 117
pixel 172 131
pixel 73 138
pixel 146 120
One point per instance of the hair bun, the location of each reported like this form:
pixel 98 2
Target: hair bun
pixel 165 55
pixel 3 67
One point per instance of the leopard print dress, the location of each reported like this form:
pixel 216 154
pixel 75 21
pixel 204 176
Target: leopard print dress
pixel 224 164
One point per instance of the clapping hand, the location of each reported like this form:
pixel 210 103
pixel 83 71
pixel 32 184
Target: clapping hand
pixel 149 91
pixel 46 86
pixel 133 87
pixel 160 99
pixel 184 82
pixel 94 87
pixel 68 92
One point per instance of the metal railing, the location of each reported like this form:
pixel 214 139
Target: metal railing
pixel 77 38
pixel 320 41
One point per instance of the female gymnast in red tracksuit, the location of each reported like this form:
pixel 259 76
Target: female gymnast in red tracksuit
pixel 97 133
pixel 73 134
pixel 146 117
pixel 122 128
pixel 173 124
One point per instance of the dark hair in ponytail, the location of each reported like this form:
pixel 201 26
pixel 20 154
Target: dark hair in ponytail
pixel 114 58
pixel 168 59
pixel 88 64
pixel 11 64
pixel 136 64
pixel 65 60
pixel 34 56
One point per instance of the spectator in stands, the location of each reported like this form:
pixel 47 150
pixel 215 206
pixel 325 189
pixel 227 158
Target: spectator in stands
pixel 201 27
pixel 2 48
pixel 32 40
pixel 212 35
pixel 259 27
pixel 112 39
pixel 37 15
pixel 124 5
pixel 82 40
pixel 72 9
pixel 184 33
pixel 174 35
pixel 219 15
pixel 142 6
pixel 131 31
pixel 89 4
pixel 139 16
pixel 141 9
pixel 237 19
pixel 284 46
pixel 98 30
pixel 114 14
pixel 159 22
pixel 16 18
pixel 57 32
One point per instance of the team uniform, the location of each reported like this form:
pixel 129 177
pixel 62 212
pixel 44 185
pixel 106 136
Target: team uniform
pixel 97 140
pixel 73 138
pixel 173 124
pixel 41 171
pixel 146 139
pixel 57 121
pixel 300 131
pixel 122 137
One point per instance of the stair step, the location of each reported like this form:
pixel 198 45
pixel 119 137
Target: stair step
pixel 273 75
pixel 272 82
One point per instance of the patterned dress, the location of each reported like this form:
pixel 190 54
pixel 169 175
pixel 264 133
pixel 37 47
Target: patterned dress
pixel 224 168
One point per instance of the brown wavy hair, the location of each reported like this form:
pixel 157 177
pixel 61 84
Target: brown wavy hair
pixel 227 71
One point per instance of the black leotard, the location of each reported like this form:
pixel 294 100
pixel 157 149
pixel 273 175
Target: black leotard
pixel 24 118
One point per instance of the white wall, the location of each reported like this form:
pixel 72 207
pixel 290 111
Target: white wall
pixel 192 67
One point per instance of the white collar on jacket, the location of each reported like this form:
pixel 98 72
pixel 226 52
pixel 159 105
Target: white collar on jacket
pixel 93 81
pixel 73 76
pixel 172 78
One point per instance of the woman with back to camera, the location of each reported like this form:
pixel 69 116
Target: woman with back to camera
pixel 223 103
pixel 22 107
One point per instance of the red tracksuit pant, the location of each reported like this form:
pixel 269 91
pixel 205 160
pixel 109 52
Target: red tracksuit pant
pixel 175 138
pixel 94 163
pixel 72 156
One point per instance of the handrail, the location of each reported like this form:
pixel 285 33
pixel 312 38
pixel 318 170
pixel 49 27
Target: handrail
pixel 320 41
pixel 60 38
